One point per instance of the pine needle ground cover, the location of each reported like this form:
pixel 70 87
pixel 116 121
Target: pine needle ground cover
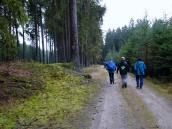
pixel 58 96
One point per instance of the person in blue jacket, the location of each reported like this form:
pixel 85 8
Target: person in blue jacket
pixel 111 68
pixel 140 70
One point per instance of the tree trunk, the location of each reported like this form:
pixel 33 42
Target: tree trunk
pixel 68 34
pixel 36 31
pixel 82 54
pixel 47 54
pixel 42 36
pixel 36 40
pixel 55 48
pixel 39 48
pixel 64 47
pixel 24 44
pixel 17 37
pixel 51 51
pixel 67 39
pixel 74 34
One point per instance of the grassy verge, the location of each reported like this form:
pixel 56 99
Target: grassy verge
pixel 164 89
pixel 63 95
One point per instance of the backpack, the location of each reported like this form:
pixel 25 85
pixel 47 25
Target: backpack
pixel 111 66
pixel 123 68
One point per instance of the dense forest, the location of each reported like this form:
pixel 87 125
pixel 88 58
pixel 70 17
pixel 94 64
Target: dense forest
pixel 47 31
pixel 42 30
pixel 151 41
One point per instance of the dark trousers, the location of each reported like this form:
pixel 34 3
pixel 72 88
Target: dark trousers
pixel 139 80
pixel 124 80
pixel 111 77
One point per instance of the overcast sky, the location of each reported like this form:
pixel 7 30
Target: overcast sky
pixel 119 12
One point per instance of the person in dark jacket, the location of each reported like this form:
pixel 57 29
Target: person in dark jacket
pixel 111 68
pixel 123 69
pixel 140 69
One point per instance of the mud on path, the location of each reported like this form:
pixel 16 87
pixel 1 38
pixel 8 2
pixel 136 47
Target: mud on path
pixel 130 108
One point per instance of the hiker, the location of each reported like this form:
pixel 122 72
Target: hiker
pixel 140 70
pixel 123 69
pixel 111 68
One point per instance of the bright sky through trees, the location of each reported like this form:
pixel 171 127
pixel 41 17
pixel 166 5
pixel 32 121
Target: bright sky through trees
pixel 119 12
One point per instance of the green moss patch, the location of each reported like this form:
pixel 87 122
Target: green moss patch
pixel 64 95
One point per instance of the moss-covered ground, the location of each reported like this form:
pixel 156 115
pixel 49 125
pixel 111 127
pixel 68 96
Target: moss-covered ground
pixel 48 96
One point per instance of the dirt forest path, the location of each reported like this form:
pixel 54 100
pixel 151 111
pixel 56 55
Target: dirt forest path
pixel 130 108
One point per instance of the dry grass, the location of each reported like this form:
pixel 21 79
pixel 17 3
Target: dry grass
pixel 161 89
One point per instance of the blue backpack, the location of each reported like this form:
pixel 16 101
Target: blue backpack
pixel 111 66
